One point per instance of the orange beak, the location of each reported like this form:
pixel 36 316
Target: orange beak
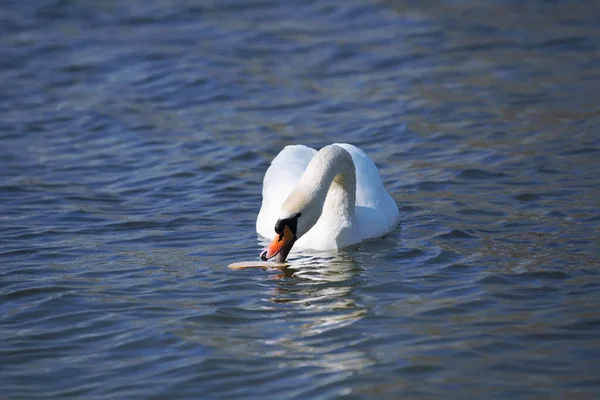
pixel 280 246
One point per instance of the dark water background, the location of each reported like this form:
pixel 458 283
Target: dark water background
pixel 133 140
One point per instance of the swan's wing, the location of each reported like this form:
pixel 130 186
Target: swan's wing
pixel 280 179
pixel 376 211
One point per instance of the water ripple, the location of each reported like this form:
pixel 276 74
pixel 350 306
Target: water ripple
pixel 135 136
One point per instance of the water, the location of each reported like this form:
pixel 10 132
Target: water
pixel 134 137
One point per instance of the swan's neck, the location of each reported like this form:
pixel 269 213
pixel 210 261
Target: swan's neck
pixel 326 194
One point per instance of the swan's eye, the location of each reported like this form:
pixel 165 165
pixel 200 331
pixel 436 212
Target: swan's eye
pixel 298 215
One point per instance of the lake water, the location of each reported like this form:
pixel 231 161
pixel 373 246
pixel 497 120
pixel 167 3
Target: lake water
pixel 134 136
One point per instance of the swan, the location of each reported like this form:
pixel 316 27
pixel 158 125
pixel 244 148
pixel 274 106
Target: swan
pixel 323 200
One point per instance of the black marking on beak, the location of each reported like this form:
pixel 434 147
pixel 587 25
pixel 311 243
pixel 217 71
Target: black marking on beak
pixel 282 255
pixel 292 223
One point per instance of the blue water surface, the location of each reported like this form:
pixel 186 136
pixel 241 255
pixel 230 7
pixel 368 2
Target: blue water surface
pixel 134 136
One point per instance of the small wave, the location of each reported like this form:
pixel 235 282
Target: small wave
pixel 456 234
pixel 480 174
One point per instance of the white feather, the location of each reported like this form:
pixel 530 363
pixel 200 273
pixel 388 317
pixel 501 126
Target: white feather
pixel 375 212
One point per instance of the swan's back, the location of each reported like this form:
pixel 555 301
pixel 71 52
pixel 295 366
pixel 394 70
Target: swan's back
pixel 376 212
pixel 281 177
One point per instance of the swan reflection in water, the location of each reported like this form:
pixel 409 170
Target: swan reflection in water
pixel 318 286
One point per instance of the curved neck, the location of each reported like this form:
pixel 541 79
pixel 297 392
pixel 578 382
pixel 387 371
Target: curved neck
pixel 326 192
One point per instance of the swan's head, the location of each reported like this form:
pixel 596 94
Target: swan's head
pixel 290 226
pixel 286 230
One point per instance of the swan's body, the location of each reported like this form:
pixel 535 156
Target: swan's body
pixel 333 198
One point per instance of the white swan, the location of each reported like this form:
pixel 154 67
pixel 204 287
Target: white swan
pixel 323 200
